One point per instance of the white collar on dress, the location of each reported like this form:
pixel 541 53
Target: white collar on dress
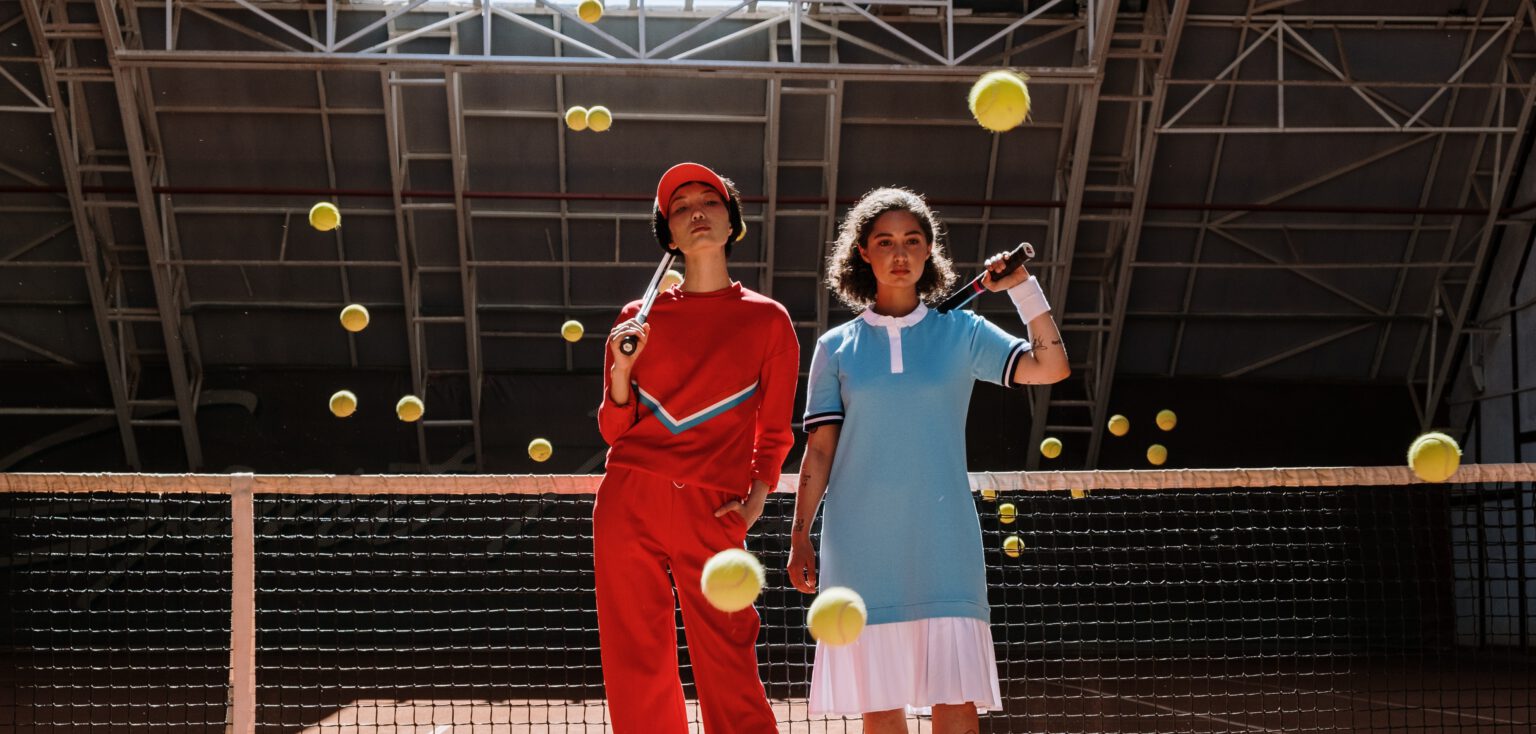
pixel 911 319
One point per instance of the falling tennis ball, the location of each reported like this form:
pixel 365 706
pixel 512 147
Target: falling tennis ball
pixel 1157 454
pixel 1007 513
pixel 1078 494
pixel 1119 425
pixel 576 118
pixel 324 216
pixel 539 449
pixel 837 616
pixel 732 579
pixel 1434 457
pixel 999 100
pixel 572 331
pixel 1013 545
pixel 1050 448
pixel 410 408
pixel 671 278
pixel 354 318
pixel 343 403
pixel 1166 420
pixel 590 11
pixel 989 494
pixel 599 118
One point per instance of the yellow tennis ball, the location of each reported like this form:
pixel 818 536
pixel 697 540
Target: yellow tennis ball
pixel 1166 420
pixel 410 409
pixel 1078 494
pixel 343 403
pixel 989 494
pixel 599 118
pixel 1157 454
pixel 324 216
pixel 671 278
pixel 576 118
pixel 732 579
pixel 1434 457
pixel 354 318
pixel 590 11
pixel 1050 448
pixel 1119 425
pixel 572 331
pixel 539 449
pixel 1013 546
pixel 1007 513
pixel 999 100
pixel 837 616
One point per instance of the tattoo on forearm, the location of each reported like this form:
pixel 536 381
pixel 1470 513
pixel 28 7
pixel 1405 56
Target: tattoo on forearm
pixel 799 524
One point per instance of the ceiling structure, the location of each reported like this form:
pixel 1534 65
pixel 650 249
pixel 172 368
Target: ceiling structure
pixel 1289 189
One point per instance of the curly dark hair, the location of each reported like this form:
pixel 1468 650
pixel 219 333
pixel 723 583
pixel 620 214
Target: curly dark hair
pixel 854 281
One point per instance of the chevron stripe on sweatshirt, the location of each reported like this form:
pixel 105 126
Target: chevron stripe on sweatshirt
pixel 678 425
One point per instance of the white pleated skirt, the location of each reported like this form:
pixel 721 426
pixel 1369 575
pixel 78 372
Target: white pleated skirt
pixel 911 665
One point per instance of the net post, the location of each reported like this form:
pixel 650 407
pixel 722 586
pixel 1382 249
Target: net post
pixel 242 607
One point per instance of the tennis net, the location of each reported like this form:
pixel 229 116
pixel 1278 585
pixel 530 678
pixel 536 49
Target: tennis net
pixel 1280 600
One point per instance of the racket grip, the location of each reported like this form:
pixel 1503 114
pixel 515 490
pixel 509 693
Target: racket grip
pixel 1011 262
pixel 629 344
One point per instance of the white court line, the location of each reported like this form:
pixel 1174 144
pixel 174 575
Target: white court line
pixel 1390 704
pixel 444 729
pixel 1169 709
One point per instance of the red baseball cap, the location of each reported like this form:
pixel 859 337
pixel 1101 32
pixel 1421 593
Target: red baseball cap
pixel 686 173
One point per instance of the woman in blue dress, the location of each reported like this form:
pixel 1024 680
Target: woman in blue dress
pixel 885 412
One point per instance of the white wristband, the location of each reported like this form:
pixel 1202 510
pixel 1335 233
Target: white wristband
pixel 1029 299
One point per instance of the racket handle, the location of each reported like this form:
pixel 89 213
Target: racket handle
pixel 629 344
pixel 1011 262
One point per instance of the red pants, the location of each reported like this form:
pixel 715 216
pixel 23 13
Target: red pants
pixel 643 525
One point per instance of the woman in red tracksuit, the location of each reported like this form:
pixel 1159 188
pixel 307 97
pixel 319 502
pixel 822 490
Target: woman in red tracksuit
pixel 698 424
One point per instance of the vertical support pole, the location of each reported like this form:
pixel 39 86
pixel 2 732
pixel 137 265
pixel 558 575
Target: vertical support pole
pixel 242 606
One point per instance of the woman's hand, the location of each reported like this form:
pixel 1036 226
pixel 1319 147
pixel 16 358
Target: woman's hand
pixel 802 564
pixel 621 361
pixel 752 507
pixel 994 266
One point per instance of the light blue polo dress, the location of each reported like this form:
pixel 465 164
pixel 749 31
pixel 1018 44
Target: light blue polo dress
pixel 900 524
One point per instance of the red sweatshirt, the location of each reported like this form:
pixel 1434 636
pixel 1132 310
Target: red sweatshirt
pixel 712 393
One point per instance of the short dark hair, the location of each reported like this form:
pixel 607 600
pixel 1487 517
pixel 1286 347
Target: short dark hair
pixel 663 231
pixel 853 280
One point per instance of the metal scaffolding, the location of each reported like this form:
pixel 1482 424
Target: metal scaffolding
pixel 1141 194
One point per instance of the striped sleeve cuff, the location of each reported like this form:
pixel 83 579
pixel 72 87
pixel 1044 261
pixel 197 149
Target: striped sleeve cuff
pixel 816 420
pixel 1013 362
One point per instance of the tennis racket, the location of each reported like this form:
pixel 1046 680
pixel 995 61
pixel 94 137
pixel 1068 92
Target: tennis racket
pixel 968 292
pixel 630 342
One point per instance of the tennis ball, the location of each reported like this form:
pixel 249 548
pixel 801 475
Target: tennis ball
pixel 572 331
pixel 590 11
pixel 1013 546
pixel 732 579
pixel 324 216
pixel 1119 425
pixel 599 119
pixel 1078 494
pixel 1166 420
pixel 1157 454
pixel 343 403
pixel 576 118
pixel 837 616
pixel 671 278
pixel 1434 457
pixel 410 408
pixel 539 449
pixel 999 100
pixel 1007 513
pixel 989 494
pixel 354 318
pixel 1050 448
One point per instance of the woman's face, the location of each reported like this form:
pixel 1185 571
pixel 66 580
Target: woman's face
pixel 699 218
pixel 896 249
